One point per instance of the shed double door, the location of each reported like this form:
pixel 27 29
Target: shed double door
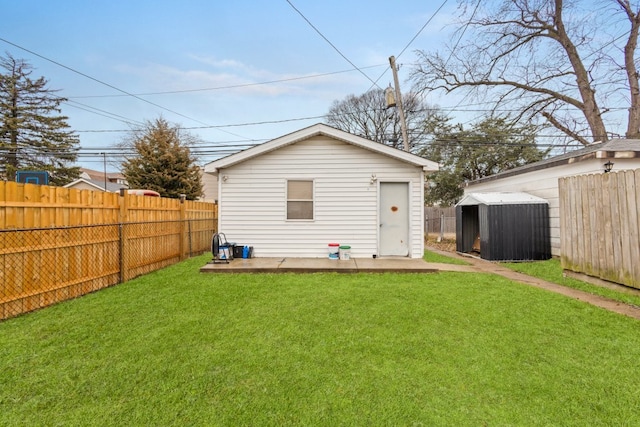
pixel 394 219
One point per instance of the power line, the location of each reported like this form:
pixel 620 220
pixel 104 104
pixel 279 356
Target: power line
pixel 410 42
pixel 100 112
pixel 331 44
pixel 238 86
pixel 422 29
pixel 97 80
pixel 107 84
pixel 266 122
pixel 458 108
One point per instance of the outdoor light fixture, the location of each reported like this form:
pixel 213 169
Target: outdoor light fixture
pixel 225 178
pixel 608 166
pixel 374 178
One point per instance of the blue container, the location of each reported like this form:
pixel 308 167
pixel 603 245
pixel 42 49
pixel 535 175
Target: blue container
pixel 247 251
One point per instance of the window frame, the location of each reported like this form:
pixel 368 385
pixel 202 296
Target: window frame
pixel 312 200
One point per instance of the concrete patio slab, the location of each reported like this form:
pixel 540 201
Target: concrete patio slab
pixel 320 265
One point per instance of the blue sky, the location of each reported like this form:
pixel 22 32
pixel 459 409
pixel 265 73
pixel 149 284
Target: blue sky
pixel 212 54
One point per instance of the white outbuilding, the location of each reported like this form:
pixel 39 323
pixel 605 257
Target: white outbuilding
pixel 295 195
pixel 541 178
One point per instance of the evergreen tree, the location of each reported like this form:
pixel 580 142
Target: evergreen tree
pixel 33 134
pixel 162 161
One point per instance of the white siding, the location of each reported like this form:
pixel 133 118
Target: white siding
pixel 544 183
pixel 252 208
pixel 209 187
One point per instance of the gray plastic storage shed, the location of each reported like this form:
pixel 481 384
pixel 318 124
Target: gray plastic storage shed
pixel 503 226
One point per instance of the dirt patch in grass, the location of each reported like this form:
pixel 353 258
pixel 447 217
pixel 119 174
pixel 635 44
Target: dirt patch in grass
pixel 445 245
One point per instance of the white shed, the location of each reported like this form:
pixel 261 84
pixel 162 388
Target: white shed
pixel 541 178
pixel 294 195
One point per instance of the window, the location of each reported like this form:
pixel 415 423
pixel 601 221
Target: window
pixel 299 199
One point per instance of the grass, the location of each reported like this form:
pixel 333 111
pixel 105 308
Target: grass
pixel 551 271
pixel 177 347
pixel 430 256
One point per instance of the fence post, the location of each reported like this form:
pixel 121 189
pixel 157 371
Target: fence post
pixel 183 217
pixel 189 236
pixel 426 224
pixel 441 237
pixel 124 217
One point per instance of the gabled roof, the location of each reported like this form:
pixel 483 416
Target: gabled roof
pixel 515 198
pixel 613 149
pixel 95 175
pixel 112 187
pixel 316 130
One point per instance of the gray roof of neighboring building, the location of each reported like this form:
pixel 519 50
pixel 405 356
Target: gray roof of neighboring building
pixel 498 198
pixel 629 148
pixel 112 187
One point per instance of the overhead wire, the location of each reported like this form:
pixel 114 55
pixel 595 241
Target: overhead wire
pixel 330 44
pixel 205 126
pixel 101 112
pixel 464 30
pixel 237 86
pixel 410 42
pixel 106 84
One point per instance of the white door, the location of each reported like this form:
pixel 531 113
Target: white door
pixel 394 219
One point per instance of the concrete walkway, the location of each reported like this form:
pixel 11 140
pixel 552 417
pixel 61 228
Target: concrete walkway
pixel 484 266
pixel 408 265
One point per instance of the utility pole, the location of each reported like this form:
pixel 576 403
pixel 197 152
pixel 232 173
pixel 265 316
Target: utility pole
pixel 104 157
pixel 403 122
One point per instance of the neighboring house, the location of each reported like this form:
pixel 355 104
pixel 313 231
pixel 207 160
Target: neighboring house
pixel 541 178
pixel 90 184
pixel 97 176
pixel 294 195
pixel 209 187
pixel 95 180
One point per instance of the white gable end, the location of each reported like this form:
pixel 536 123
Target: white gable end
pixel 346 179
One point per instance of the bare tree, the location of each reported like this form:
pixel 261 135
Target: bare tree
pixel 558 60
pixel 367 115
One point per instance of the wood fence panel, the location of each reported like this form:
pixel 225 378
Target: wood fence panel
pixel 58 243
pixel 601 229
pixel 600 225
pixel 433 220
pixel 576 223
pixel 625 228
pixel 614 260
pixel 597 242
pixel 636 226
pixel 565 238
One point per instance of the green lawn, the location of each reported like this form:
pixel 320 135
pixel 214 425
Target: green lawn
pixel 177 347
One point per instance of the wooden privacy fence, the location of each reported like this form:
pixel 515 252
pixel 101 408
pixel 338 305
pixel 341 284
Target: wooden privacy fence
pixel 441 221
pixel 600 226
pixel 58 243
